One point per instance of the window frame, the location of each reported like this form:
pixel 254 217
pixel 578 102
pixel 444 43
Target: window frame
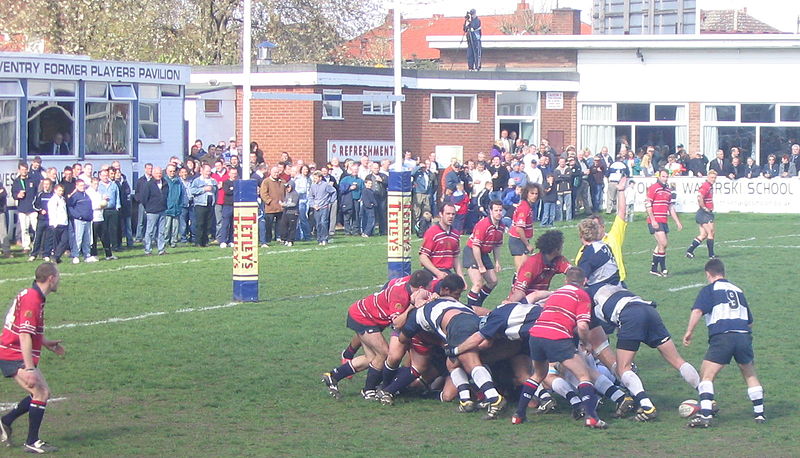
pixel 473 118
pixel 334 93
pixel 371 110
pixel 149 101
pixel 212 114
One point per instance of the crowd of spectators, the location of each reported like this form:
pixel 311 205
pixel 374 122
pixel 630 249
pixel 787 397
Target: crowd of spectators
pixel 190 200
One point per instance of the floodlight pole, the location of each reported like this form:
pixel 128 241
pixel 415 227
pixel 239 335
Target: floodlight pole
pixel 399 195
pixel 245 205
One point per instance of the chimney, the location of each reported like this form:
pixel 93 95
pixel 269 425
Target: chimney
pixel 389 17
pixel 523 6
pixel 437 17
pixel 566 21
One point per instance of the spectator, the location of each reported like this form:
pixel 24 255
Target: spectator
pixel 124 227
pixel 24 190
pixel 380 186
pixel 409 163
pixel 460 199
pixel 290 205
pixel 697 165
pixel 228 188
pixel 154 199
pixel 479 177
pixel 36 173
pixel 545 166
pixel 220 174
pixel 499 178
pixel 98 223
pixel 533 171
pixel 286 160
pixel 422 184
pixel 368 206
pixel 751 170
pixel 737 168
pixel 563 181
pixel 272 190
pixel 109 191
pixel 41 240
pixel 520 178
pixel 204 191
pixel 720 164
pixel 321 197
pixel 57 220
pixel 328 178
pixel 350 189
pixel 646 164
pixel 794 158
pixel 175 200
pixel 79 206
pixel 673 166
pixel 302 181
pixel 235 164
pixel 597 173
pixel 770 169
pixel 786 167
pixel 141 225
pixel 186 222
pixel 549 201
pixel 634 164
pixel 5 245
pixel 580 186
pixel 614 173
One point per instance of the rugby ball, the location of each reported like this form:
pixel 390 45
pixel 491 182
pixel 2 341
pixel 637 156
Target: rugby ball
pixel 688 408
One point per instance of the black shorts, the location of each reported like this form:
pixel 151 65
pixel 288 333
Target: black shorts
pixel 554 351
pixel 516 246
pixel 662 227
pixel 640 323
pixel 594 322
pixel 10 368
pixel 468 260
pixel 703 217
pixel 461 327
pixel 736 345
pixel 363 328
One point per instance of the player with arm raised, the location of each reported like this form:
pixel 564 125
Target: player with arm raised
pixel 534 276
pixel 486 239
pixel 660 205
pixel 368 318
pixel 705 216
pixel 730 321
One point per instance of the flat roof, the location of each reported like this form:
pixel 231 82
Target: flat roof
pixel 610 42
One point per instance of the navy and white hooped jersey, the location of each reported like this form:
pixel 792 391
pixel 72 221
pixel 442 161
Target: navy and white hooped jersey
pixel 725 308
pixel 429 317
pixel 598 264
pixel 609 301
pixel 512 321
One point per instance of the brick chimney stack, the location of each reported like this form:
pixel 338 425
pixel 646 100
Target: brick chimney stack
pixel 566 21
pixel 523 6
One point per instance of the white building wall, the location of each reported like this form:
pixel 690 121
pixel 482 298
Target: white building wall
pixel 689 75
pixel 171 133
pixel 211 127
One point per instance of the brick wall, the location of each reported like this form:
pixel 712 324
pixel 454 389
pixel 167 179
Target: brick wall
pixel 694 128
pixel 566 21
pixel 498 59
pixel 421 136
pixel 564 121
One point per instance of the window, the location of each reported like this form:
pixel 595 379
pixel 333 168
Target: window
pixel 122 92
pixel 377 108
pixel 211 107
pixel 633 112
pixel 666 113
pixel 97 90
pixel 170 90
pixel 726 113
pixel 331 104
pixel 51 117
pixel 758 112
pixel 8 126
pixel 108 127
pixel 149 96
pixel 790 113
pixel 10 89
pixel 453 108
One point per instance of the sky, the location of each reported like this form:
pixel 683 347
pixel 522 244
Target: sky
pixel 781 14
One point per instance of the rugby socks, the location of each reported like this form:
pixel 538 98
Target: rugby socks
pixel 607 388
pixel 529 389
pixel 689 373
pixel 710 245
pixel 389 373
pixel 473 297
pixel 659 262
pixel 461 381
pixel 405 376
pixel 543 394
pixel 634 384
pixel 374 376
pixel 343 371
pixel 563 388
pixel 706 390
pixel 483 294
pixel 349 352
pixel 756 395
pixel 483 380
pixel 588 399
pixel 35 417
pixel 20 409
pixel 695 243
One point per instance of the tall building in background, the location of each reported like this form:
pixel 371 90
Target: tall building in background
pixel 644 17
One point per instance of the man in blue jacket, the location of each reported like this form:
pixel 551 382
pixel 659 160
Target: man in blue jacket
pixel 350 188
pixel 154 199
pixel 79 206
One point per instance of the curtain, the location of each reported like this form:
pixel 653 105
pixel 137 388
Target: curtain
pixel 596 137
pixel 710 134
pixel 681 131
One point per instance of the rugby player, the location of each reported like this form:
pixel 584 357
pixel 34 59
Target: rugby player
pixel 659 205
pixel 20 349
pixel 486 238
pixel 535 274
pixel 454 323
pixel 730 321
pixel 705 216
pixel 521 230
pixel 368 318
pixel 441 245
pixel 566 312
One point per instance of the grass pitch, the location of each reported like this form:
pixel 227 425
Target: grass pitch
pixel 161 362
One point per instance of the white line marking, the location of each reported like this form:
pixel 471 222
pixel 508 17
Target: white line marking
pixel 201 309
pixel 740 240
pixel 681 288
pixel 185 261
pixel 765 246
pixel 11 405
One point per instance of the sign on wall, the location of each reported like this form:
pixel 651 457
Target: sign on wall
pixel 758 195
pixel 554 100
pixel 54 67
pixel 355 149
